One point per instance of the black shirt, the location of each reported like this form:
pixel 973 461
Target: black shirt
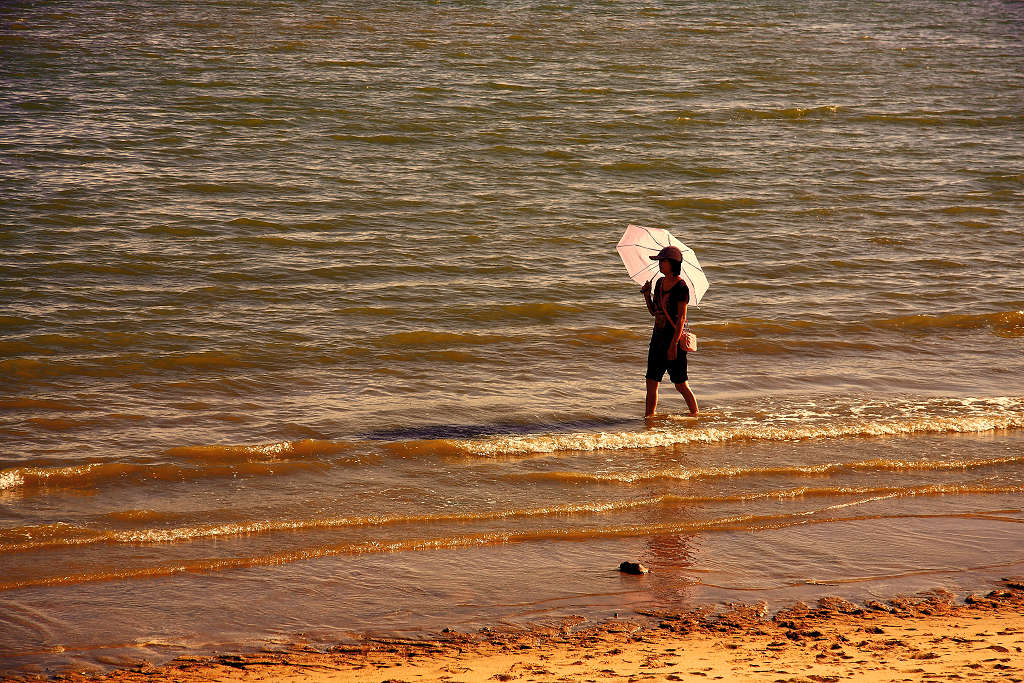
pixel 671 299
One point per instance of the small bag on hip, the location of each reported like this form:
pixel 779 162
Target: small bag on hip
pixel 687 340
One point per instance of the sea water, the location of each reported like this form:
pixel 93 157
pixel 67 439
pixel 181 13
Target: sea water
pixel 312 323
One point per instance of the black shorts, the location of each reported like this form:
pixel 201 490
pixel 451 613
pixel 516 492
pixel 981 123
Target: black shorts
pixel 658 362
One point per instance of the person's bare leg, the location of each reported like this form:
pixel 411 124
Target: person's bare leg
pixel 652 398
pixel 691 400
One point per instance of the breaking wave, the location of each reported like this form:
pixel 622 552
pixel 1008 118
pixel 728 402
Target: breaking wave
pixel 742 522
pixel 21 539
pixel 589 441
pixel 93 474
pixel 683 474
pixel 285 450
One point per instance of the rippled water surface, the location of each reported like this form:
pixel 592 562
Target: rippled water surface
pixel 320 302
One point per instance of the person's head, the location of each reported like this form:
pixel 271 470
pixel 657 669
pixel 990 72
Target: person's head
pixel 673 257
pixel 667 266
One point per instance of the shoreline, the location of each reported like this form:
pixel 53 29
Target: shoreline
pixel 931 636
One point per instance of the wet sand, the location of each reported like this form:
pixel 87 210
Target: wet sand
pixel 926 637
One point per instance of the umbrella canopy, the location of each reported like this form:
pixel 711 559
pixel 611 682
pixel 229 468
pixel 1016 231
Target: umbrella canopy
pixel 638 244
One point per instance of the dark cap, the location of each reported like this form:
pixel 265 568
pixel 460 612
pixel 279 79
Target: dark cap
pixel 671 253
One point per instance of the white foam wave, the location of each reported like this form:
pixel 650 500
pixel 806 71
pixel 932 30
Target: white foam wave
pixel 591 441
pixel 10 479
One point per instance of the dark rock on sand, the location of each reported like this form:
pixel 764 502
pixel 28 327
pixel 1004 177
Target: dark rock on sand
pixel 633 568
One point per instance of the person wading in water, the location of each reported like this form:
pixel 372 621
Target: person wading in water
pixel 668 306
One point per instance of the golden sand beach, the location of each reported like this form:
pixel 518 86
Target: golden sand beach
pixel 927 637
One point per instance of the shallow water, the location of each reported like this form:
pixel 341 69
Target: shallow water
pixel 320 303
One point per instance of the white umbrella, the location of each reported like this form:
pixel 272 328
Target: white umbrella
pixel 638 244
